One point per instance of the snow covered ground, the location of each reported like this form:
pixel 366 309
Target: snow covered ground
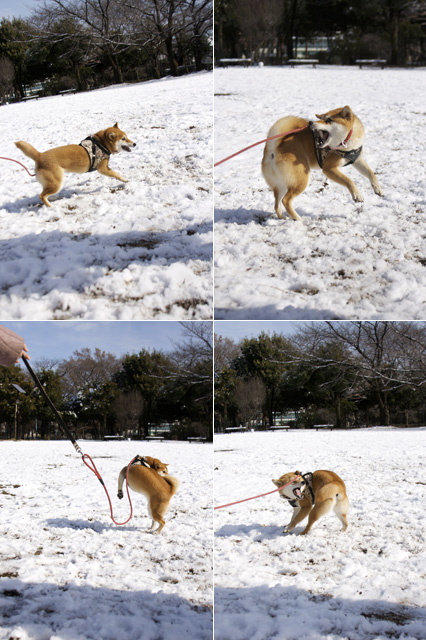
pixel 368 583
pixel 140 250
pixel 68 573
pixel 345 260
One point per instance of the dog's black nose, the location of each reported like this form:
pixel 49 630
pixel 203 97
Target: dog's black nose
pixel 310 124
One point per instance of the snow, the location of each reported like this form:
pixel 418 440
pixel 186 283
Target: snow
pixel 344 260
pixel 108 250
pixel 365 584
pixel 68 573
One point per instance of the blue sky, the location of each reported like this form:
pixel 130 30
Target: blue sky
pixel 59 339
pixel 16 8
pixel 238 329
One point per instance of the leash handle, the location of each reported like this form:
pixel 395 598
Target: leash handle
pixel 259 496
pixel 280 135
pixel 52 406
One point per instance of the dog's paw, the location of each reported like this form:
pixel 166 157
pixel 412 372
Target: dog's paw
pixel 377 190
pixel 357 196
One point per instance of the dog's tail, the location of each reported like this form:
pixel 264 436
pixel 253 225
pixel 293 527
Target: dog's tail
pixel 173 482
pixel 28 150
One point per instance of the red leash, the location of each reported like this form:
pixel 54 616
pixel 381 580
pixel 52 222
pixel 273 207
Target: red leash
pixel 99 477
pixel 280 135
pixel 259 496
pixel 22 165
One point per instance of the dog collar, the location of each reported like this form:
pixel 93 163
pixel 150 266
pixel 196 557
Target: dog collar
pixel 344 143
pixel 96 152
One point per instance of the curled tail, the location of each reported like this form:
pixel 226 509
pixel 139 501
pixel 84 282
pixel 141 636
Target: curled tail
pixel 173 482
pixel 28 150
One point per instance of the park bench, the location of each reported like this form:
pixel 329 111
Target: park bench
pixel 371 63
pixel 317 427
pixel 113 437
pixel 284 427
pixel 225 62
pixel 160 438
pixel 65 91
pixel 194 439
pixel 298 61
pixel 34 97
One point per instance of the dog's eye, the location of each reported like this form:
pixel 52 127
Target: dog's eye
pixel 328 121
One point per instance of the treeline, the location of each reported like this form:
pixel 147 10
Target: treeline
pixel 98 394
pixel 275 30
pixel 84 44
pixel 346 374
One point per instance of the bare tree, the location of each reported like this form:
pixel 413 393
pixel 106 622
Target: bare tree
pixel 250 396
pixel 85 369
pixel 225 351
pixel 259 21
pixel 128 407
pixel 7 77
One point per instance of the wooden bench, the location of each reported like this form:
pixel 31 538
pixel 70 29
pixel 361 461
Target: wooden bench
pixel 35 97
pixel 113 437
pixel 235 430
pixel 371 63
pixel 317 427
pixel 197 440
pixel 298 61
pixel 65 91
pixel 282 428
pixel 225 62
pixel 154 438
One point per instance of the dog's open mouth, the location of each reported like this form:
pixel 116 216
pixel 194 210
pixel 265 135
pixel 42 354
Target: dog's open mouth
pixel 323 136
pixel 125 147
pixel 298 493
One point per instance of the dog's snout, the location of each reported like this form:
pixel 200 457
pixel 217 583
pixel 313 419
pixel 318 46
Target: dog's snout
pixel 311 122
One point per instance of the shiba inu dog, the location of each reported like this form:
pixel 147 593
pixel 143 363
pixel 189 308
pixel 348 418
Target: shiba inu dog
pixel 315 495
pixel 155 484
pixel 332 142
pixel 92 154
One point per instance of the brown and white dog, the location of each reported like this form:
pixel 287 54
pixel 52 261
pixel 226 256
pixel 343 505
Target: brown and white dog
pixel 154 483
pixel 315 495
pixel 92 154
pixel 332 142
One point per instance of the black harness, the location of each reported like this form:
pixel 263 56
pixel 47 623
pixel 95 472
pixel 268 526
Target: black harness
pixel 321 153
pixel 96 152
pixel 141 460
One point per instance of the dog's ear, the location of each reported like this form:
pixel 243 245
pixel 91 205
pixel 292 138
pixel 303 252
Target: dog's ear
pixel 346 113
pixel 277 483
pixel 320 117
pixel 298 473
pixel 116 125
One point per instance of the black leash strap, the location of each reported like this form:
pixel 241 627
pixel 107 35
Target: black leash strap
pixel 52 406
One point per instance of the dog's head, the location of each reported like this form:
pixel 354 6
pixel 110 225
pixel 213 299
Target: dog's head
pixel 160 467
pixel 117 140
pixel 293 485
pixel 333 127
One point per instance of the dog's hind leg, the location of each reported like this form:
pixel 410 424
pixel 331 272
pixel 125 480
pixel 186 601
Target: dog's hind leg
pixel 51 181
pixel 320 509
pixel 341 510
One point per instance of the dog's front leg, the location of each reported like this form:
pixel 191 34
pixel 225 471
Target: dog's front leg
pixel 106 171
pixel 299 514
pixel 337 176
pixel 365 170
